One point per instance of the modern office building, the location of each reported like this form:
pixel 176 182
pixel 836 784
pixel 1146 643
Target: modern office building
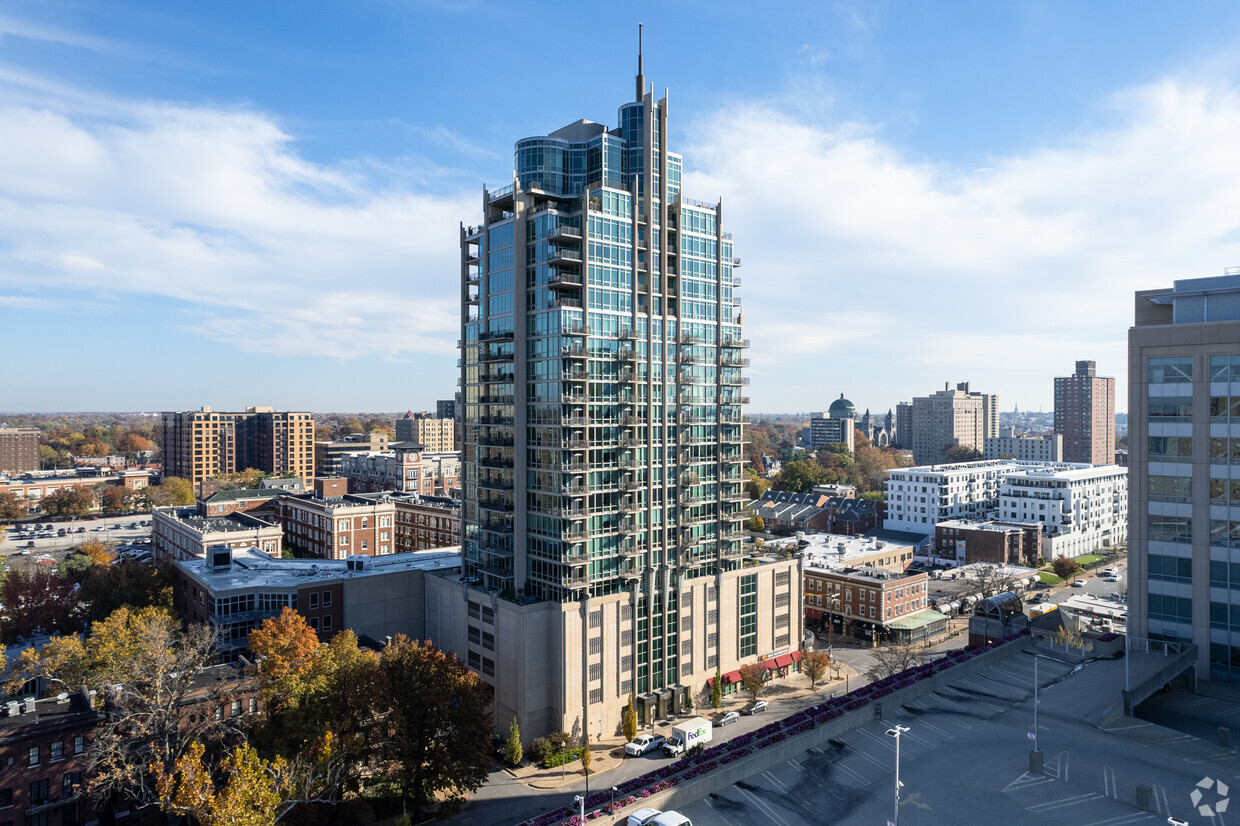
pixel 1184 466
pixel 950 418
pixel 200 444
pixel 1085 415
pixel 1008 445
pixel 19 450
pixel 602 390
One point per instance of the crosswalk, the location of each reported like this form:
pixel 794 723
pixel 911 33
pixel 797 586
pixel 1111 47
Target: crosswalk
pixel 943 756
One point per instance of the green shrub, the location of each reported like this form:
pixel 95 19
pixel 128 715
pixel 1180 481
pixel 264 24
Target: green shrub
pixel 542 749
pixel 559 758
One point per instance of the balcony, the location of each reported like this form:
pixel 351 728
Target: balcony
pixel 575 581
pixel 734 343
pixel 489 483
pixel 499 462
pixel 496 335
pixel 576 534
pixel 471 297
pixel 563 231
pixel 564 258
pixel 632 485
pixel 630 462
pixel 495 505
pixel 494 420
pixel 502 376
pixel 690 339
pixel 574 375
pixel 472 279
pixel 573 421
pixel 485 357
pixel 495 441
pixel 627 375
pixel 628 334
pixel 577 556
pixel 497 526
pixel 733 380
pixel 574 351
pixel 574 444
pixel 576 328
pixel 572 513
pixel 565 281
pixel 627 354
pixel 629 505
pixel 689 358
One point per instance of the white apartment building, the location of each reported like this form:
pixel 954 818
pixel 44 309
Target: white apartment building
pixel 185 533
pixel 920 497
pixel 1024 447
pixel 1081 507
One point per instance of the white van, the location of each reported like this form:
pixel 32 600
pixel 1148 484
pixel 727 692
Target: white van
pixel 671 819
pixel 642 817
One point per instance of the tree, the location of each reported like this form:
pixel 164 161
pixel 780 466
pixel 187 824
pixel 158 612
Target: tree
pixel 512 749
pixel 252 792
pixel 285 646
pixel 586 759
pixel 10 506
pixel 242 480
pixel 753 678
pixel 990 579
pixel 628 725
pixel 814 665
pixel 172 491
pixel 756 524
pixel 962 453
pixel 800 477
pixel 68 502
pixel 1065 567
pixel 105 588
pixel 716 691
pixel 37 601
pixel 114 498
pixel 893 657
pixel 435 727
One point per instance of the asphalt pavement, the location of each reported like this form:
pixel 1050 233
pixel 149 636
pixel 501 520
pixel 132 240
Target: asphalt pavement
pixel 113 529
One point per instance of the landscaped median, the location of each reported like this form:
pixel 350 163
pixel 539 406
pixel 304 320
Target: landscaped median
pixel 712 761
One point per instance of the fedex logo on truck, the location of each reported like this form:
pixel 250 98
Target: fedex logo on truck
pixel 695 734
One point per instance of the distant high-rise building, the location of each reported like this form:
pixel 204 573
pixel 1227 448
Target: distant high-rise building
pixel 19 450
pixel 837 426
pixel 1085 415
pixel 329 456
pixel 603 390
pixel 1184 448
pixel 950 418
pixel 201 444
pixel 435 434
pixel 445 409
pixel 904 426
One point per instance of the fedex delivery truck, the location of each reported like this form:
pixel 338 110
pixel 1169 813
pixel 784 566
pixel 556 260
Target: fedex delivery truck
pixel 686 735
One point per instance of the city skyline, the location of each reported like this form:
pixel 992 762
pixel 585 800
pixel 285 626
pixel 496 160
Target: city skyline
pixel 220 196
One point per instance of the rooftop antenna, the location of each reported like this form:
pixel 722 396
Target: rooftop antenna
pixel 641 76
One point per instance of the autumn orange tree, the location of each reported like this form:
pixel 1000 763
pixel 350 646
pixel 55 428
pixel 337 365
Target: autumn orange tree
pixel 252 791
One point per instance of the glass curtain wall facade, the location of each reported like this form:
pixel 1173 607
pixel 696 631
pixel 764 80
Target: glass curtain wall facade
pixel 602 381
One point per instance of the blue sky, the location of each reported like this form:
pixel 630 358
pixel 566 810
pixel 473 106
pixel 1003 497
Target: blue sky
pixel 257 203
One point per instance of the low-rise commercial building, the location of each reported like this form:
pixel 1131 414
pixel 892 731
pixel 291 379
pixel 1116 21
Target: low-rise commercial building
pixel 32 488
pixel 871 605
pixel 185 533
pixel 235 590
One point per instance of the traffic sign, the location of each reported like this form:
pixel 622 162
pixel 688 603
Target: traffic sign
pixel 1031 735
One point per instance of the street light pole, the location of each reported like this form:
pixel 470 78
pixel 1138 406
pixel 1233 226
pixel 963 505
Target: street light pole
pixel 581 801
pixel 1036 703
pixel 895 732
pixel 612 808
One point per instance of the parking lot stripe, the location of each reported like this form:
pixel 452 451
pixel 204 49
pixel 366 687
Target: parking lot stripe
pixel 855 775
pixel 1160 800
pixel 1108 782
pixel 1026 780
pixel 1064 802
pixel 721 815
pixel 775 781
pixel 1120 820
pixel 766 810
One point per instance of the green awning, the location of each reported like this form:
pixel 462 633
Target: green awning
pixel 919 620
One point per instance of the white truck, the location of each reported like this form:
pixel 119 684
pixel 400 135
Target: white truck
pixel 686 735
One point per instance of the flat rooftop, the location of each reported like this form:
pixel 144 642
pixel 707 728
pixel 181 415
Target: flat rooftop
pixel 829 550
pixel 228 523
pixel 252 568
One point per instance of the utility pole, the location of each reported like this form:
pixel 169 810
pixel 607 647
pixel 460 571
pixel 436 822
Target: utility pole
pixel 895 732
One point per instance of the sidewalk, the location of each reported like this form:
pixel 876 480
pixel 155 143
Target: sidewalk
pixel 785 696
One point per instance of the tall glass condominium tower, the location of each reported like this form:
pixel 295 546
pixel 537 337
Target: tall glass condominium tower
pixel 602 365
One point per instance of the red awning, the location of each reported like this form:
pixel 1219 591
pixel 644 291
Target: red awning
pixel 731 677
pixel 796 656
pixel 784 660
pixel 770 664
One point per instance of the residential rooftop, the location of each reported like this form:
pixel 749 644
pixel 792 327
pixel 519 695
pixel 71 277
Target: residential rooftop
pixel 251 567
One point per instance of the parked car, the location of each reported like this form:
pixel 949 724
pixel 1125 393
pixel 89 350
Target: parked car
pixel 1111 578
pixel 642 817
pixel 754 707
pixel 1040 598
pixel 1078 583
pixel 723 718
pixel 643 743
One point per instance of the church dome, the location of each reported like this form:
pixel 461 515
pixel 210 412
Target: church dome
pixel 842 408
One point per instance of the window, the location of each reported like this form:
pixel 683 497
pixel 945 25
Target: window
pixel 1177 370
pixel 365 522
pixel 344 540
pixel 596 672
pixel 34 756
pixel 234 709
pixel 596 645
pixel 38 792
pixel 253 705
pixel 314 623
pixel 314 601
pixel 58 750
pixel 6 797
pixel 488 641
pixel 79 744
pixel 596 696
pixel 596 619
pixel 365 544
pixel 327 599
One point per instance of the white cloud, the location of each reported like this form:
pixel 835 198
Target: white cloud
pixel 1002 274
pixel 215 207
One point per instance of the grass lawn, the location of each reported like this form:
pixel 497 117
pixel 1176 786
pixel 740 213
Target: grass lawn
pixel 1088 559
pixel 1048 578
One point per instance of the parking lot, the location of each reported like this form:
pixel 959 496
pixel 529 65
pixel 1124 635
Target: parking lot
pixel 964 758
pixel 112 529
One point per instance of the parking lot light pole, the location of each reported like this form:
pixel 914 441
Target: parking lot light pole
pixel 580 800
pixel 612 808
pixel 896 731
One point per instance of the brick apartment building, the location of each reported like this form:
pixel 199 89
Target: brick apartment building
pixel 19 450
pixel 43 747
pixel 406 468
pixel 1001 543
pixel 871 605
pixel 332 524
pixel 424 522
pixel 200 444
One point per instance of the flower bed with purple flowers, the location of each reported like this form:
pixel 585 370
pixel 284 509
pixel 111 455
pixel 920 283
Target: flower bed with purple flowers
pixel 696 765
